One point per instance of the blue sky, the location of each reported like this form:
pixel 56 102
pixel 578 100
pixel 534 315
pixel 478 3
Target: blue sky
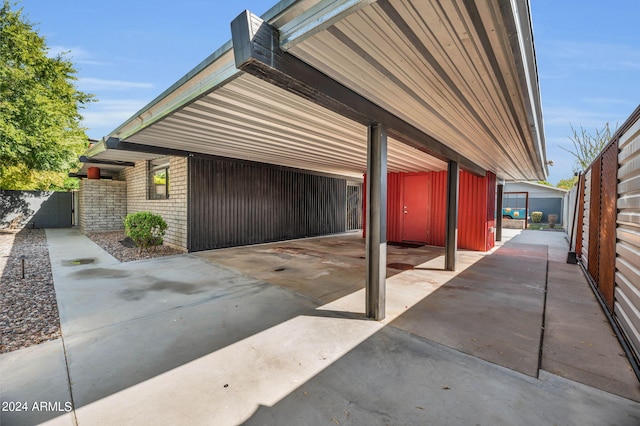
pixel 128 52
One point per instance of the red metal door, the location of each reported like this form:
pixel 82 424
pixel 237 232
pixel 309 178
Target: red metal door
pixel 416 207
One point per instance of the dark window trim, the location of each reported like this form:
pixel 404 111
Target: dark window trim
pixel 153 167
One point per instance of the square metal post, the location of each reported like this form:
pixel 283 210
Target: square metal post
pixel 499 196
pixel 376 214
pixel 451 237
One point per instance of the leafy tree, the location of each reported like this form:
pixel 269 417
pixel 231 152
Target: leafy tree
pixel 544 182
pixel 567 183
pixel 587 146
pixel 39 104
pixel 21 178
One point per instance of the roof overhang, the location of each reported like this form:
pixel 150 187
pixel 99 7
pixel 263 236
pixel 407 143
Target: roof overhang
pixel 462 73
pixel 108 156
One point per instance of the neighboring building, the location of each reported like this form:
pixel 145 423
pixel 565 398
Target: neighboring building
pixel 541 198
pixel 270 136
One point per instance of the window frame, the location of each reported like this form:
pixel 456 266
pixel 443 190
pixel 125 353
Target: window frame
pixel 155 166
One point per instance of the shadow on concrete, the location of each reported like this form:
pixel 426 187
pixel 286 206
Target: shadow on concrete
pixel 407 373
pixel 492 310
pixel 396 378
pixel 111 359
pixel 244 341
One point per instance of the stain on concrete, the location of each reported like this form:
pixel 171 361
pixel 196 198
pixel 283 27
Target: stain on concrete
pixel 400 266
pixel 160 285
pixel 99 273
pixel 76 262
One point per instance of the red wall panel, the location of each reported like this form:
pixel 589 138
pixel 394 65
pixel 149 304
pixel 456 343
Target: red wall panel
pixel 472 208
pixel 438 218
pixel 394 206
pixel 476 209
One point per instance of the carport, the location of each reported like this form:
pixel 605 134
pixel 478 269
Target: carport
pixel 352 87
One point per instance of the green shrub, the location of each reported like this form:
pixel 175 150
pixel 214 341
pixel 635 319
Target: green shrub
pixel 536 217
pixel 145 229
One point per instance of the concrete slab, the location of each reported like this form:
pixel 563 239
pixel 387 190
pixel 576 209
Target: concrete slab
pixel 226 385
pixel 316 368
pixel 579 343
pixel 189 340
pixel 34 387
pixel 111 359
pixel 397 378
pixel 496 317
pixel 94 297
pixel 325 269
pixel 72 248
pixel 556 241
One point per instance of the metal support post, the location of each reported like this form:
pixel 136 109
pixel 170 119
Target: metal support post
pixel 499 195
pixel 376 213
pixel 451 238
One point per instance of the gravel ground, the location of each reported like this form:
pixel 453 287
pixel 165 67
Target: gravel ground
pixel 28 308
pixel 123 249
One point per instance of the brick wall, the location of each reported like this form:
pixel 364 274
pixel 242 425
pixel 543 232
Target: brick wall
pixel 173 210
pixel 102 205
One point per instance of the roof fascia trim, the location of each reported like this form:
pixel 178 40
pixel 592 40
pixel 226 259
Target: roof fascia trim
pixel 161 106
pixel 200 83
pixel 119 145
pixel 96 149
pixel 85 159
pixel 318 18
pixel 517 17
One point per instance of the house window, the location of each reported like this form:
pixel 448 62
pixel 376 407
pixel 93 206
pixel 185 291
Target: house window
pixel 159 179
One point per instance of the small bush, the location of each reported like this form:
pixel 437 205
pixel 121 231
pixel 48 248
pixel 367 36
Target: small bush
pixel 145 229
pixel 536 217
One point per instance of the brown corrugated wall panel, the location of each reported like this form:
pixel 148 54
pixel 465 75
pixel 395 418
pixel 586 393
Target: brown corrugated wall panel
pixel 607 228
pixel 237 203
pixel 586 214
pixel 594 220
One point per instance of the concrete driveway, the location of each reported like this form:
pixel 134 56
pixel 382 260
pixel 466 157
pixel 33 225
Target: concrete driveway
pixel 195 339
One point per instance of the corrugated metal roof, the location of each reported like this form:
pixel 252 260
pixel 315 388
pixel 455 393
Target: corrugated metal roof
pixel 444 66
pixel 253 120
pixel 448 69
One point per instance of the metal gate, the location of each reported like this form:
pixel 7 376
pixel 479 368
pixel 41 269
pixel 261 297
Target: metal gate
pixel 36 209
pixel 354 206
